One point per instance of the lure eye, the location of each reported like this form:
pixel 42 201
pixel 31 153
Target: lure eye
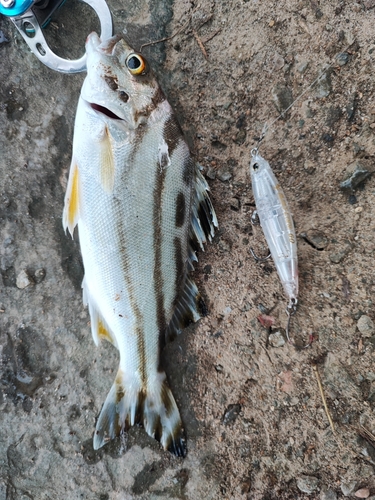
pixel 135 64
pixel 255 166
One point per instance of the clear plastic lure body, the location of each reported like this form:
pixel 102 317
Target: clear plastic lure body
pixel 276 220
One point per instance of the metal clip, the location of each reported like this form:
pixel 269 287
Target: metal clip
pixel 31 16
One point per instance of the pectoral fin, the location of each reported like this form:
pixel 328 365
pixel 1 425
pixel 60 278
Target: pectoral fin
pixel 107 163
pixel 71 206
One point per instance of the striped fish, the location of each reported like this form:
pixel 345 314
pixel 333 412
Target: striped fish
pixel 142 210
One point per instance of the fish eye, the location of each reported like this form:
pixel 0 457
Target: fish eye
pixel 135 64
pixel 255 166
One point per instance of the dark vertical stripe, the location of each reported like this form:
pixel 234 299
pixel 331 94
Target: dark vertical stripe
pixel 180 210
pixel 172 134
pixel 158 236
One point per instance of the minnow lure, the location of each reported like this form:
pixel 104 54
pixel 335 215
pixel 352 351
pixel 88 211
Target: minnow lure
pixel 277 223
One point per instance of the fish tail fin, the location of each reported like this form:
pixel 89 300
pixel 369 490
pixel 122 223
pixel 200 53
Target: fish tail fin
pixel 155 408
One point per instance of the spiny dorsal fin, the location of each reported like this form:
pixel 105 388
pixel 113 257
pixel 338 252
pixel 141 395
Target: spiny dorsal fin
pixel 190 306
pixel 203 217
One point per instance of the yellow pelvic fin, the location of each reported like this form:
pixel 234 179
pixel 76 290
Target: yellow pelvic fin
pixel 107 164
pixel 71 207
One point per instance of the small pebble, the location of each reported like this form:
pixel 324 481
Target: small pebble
pixel 307 484
pixel 211 173
pixel 231 414
pixel 358 210
pixel 339 256
pixel 342 58
pixel 302 67
pixel 324 85
pixel 356 175
pixel 23 279
pixel 362 493
pixel 235 204
pixel 3 38
pixel 276 339
pixel 316 238
pixel 39 275
pixel 366 326
pixel 348 487
pixel 282 97
pixel 328 495
pixel 224 175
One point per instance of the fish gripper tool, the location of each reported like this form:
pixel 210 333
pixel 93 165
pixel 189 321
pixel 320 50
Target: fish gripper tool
pixel 31 16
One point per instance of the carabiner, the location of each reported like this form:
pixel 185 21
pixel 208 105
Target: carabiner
pixel 31 16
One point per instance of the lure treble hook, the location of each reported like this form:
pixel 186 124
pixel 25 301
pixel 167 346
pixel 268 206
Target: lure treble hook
pixel 291 311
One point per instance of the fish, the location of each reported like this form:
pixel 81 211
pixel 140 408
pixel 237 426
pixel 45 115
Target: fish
pixel 143 211
pixel 277 223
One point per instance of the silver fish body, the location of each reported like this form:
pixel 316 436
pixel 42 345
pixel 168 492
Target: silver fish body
pixel 142 210
pixel 277 223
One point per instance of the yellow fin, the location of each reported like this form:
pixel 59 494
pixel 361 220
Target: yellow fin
pixel 71 206
pixel 104 333
pixel 107 164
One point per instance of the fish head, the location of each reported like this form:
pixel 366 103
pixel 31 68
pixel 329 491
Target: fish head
pixel 119 83
pixel 257 165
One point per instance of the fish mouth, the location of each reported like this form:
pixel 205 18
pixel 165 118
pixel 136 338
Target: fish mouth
pixel 104 111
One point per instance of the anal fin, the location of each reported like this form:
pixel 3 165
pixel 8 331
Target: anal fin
pixel 99 328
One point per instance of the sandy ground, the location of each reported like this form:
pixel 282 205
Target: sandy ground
pixel 254 414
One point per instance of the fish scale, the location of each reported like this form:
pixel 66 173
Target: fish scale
pixel 142 208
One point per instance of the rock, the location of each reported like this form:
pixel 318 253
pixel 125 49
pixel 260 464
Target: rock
pixel 302 67
pixel 351 107
pixel 309 167
pixel 307 484
pixel 362 493
pixel 356 174
pixel 336 258
pixel 211 174
pixel 224 175
pixel 39 275
pixel 282 97
pixel 327 138
pixel 324 85
pixel 231 414
pixel 276 339
pixel 3 38
pixel 235 204
pixel 366 326
pixel 24 280
pixel 328 495
pixel 342 58
pixel 315 238
pixel 334 113
pixel 348 487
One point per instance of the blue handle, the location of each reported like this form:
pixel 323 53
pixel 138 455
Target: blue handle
pixel 17 9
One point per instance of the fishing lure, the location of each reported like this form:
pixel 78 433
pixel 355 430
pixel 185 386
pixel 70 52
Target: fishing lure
pixel 277 223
